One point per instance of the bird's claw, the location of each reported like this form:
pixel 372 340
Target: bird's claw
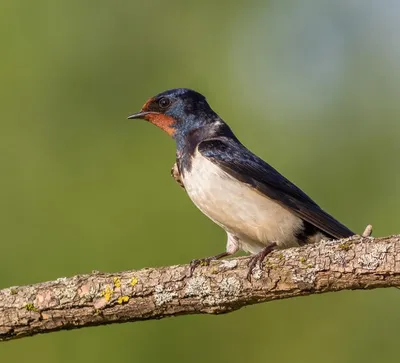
pixel 258 258
pixel 205 261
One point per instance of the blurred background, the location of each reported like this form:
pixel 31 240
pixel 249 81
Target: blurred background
pixel 312 87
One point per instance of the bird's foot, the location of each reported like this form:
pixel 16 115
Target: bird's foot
pixel 205 261
pixel 258 258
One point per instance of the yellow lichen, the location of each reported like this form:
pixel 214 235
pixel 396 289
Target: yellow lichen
pixel 107 293
pixel 117 282
pixel 302 259
pixel 31 307
pixel 134 281
pixel 345 246
pixel 269 265
pixel 123 299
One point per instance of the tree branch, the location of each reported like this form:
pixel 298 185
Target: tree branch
pixel 155 293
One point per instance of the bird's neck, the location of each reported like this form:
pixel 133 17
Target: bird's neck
pixel 186 143
pixel 192 137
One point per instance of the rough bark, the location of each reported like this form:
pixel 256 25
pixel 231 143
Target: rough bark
pixel 155 293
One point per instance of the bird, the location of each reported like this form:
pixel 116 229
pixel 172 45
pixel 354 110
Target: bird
pixel 259 208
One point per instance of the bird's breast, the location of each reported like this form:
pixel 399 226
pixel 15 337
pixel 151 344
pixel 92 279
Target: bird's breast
pixel 237 207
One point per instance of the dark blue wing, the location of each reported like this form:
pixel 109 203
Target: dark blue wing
pixel 240 163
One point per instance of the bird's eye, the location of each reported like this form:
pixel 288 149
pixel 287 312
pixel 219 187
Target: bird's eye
pixel 164 102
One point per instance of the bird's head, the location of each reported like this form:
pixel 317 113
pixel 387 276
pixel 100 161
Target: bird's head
pixel 177 111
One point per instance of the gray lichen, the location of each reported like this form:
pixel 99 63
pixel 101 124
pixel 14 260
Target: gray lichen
pixel 374 255
pixel 163 295
pixel 306 275
pixel 229 264
pixel 229 290
pixel 230 287
pixel 198 286
pixel 257 273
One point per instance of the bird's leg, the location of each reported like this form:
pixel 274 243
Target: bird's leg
pixel 232 246
pixel 176 175
pixel 258 258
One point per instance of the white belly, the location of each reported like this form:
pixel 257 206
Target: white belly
pixel 255 219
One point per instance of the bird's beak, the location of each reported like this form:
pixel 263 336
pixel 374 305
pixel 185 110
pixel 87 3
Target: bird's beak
pixel 139 115
pixel 158 119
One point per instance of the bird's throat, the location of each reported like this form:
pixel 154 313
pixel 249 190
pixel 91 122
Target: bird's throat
pixel 165 123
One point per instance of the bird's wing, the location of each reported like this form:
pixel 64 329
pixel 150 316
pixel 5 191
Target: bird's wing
pixel 237 161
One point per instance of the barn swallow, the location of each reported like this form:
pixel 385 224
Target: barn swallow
pixel 257 206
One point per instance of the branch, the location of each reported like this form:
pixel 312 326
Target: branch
pixel 155 293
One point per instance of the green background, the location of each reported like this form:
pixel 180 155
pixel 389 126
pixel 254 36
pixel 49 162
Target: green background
pixel 311 86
